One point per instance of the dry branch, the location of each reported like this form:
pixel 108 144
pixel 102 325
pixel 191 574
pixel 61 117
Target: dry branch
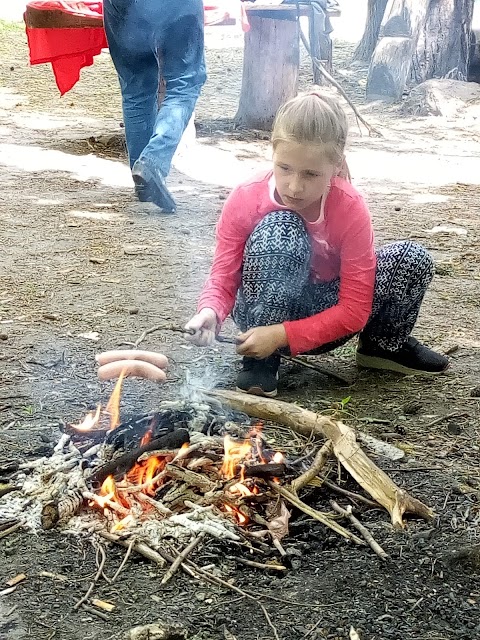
pixel 183 555
pixel 313 513
pixel 345 447
pixel 319 462
pixel 101 551
pixel 373 544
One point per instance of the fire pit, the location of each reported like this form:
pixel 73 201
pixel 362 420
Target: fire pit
pixel 159 484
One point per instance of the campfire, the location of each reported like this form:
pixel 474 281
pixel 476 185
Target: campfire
pixel 162 482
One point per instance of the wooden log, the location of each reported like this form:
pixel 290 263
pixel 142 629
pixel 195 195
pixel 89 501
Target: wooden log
pixel 124 463
pixel 66 507
pixel 345 447
pixel 270 70
pixel 392 59
pixel 265 471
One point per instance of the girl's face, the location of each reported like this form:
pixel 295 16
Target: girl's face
pixel 302 173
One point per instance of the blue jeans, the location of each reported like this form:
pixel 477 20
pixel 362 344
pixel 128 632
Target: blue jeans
pixel 150 39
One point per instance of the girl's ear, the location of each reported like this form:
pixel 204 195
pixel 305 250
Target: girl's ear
pixel 343 171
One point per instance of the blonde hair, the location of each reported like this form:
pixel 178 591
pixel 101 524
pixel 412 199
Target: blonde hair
pixel 313 118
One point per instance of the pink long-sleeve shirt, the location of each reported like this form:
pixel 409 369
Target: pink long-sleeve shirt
pixel 342 246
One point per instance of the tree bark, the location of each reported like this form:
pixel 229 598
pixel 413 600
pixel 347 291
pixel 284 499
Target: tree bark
pixel 366 46
pixel 444 42
pixel 270 70
pixel 392 60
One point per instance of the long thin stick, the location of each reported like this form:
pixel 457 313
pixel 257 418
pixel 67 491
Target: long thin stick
pixel 124 561
pixel 11 529
pixel 372 543
pixel 223 339
pixel 100 551
pixel 313 513
pixel 141 548
pixel 190 568
pixel 258 565
pixel 182 557
pixel 215 579
pixel 95 612
pixel 349 494
pixel 319 462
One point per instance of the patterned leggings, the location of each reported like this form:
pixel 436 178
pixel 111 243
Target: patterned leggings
pixel 276 287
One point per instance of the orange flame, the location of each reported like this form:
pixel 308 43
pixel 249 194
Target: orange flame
pixel 123 523
pixel 146 438
pixel 143 472
pixel 235 452
pixel 90 421
pixel 240 517
pixel 113 405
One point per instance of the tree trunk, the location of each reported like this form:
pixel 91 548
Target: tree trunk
pixel 444 42
pixel 366 46
pixel 320 47
pixel 270 70
pixel 392 60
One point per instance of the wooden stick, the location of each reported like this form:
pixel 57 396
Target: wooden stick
pixel 123 463
pixel 182 557
pixel 319 462
pixel 347 513
pixel 223 339
pixel 258 565
pixel 124 561
pixel 95 612
pixel 189 567
pixel 210 577
pixel 313 513
pixel 345 447
pixel 315 367
pixel 144 550
pixel 349 494
pixel 101 551
pixel 447 416
pixel 12 529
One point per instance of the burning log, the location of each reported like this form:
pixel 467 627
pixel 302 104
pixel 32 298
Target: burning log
pixel 125 462
pixel 345 447
pixel 265 471
pixel 190 478
pixel 66 507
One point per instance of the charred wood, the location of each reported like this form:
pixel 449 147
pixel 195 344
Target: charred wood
pixel 125 462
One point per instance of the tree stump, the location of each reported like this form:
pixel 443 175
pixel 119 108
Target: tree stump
pixel 392 60
pixel 270 70
pixel 444 42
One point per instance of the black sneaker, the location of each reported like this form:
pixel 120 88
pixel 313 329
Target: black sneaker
pixel 151 187
pixel 412 358
pixel 259 377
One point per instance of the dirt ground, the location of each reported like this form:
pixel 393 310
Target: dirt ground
pixel 81 259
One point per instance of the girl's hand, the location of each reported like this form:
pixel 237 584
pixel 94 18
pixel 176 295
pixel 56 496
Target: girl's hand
pixel 261 342
pixel 204 324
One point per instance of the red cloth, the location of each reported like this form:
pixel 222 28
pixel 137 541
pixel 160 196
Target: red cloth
pixel 69 50
pixel 342 246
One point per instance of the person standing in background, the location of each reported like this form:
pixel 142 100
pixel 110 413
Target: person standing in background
pixel 150 40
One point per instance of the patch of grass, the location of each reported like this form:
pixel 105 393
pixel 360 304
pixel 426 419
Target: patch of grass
pixel 6 25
